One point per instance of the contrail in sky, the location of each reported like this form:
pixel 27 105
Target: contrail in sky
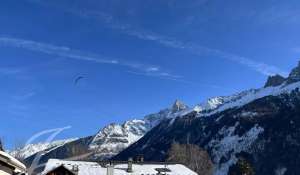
pixel 66 52
pixel 193 48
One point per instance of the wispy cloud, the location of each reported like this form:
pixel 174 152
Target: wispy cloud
pixel 25 96
pixel 152 69
pixel 160 75
pixel 199 50
pixel 67 52
pixel 179 80
pixel 9 71
pixel 260 67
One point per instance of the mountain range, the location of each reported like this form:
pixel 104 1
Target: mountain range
pixel 261 126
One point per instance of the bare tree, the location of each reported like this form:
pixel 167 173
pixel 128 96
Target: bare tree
pixel 192 156
pixel 1 145
pixel 18 145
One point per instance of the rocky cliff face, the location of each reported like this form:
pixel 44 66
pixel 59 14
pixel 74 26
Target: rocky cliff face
pixel 275 80
pixel 294 76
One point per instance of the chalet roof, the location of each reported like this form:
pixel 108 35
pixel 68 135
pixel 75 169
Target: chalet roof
pixel 12 161
pixel 93 168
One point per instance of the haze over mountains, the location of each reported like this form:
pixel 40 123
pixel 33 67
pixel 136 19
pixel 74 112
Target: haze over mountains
pixel 259 125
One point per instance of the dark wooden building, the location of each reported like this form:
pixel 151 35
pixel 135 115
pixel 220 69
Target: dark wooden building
pixel 9 165
pixel 61 170
pixel 5 168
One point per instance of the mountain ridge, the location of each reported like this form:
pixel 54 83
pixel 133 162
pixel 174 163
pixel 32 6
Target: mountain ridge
pixel 110 140
pixel 255 125
pixel 115 138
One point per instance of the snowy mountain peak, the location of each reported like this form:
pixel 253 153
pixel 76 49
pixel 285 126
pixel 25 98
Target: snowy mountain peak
pixel 178 106
pixel 113 138
pixel 275 85
pixel 31 149
pixel 210 104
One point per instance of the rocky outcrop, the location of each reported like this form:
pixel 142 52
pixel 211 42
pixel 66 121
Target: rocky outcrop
pixel 178 106
pixel 294 76
pixel 275 80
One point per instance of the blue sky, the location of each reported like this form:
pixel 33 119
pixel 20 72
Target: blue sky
pixel 136 56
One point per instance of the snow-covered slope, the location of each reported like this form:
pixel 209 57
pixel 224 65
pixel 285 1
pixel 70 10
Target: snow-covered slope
pixel 31 149
pixel 219 104
pixel 114 138
pixel 275 86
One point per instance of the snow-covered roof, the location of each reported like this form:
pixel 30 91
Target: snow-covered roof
pixel 93 168
pixel 12 161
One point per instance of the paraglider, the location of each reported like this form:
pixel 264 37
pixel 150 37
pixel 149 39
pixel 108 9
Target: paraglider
pixel 78 79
